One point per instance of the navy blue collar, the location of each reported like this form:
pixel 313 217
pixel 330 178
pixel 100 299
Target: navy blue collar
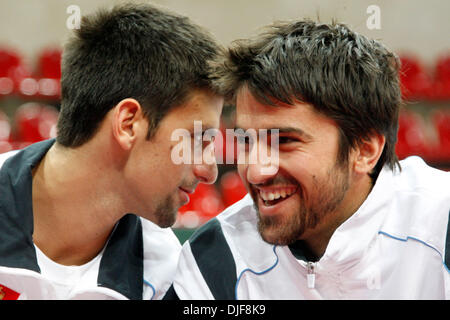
pixel 121 266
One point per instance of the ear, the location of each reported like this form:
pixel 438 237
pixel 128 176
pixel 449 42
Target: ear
pixel 368 152
pixel 125 122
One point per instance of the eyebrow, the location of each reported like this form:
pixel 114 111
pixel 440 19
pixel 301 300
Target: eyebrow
pixel 285 130
pixel 204 128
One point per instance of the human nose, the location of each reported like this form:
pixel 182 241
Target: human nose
pixel 262 164
pixel 206 171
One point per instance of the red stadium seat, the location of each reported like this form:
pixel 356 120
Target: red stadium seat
pixel 441 85
pixel 49 63
pixel 12 71
pixel 205 203
pixel 206 200
pixel 46 83
pixel 441 121
pixel 5 146
pixel 232 188
pixel 9 61
pixel 35 122
pixel 5 127
pixel 415 82
pixel 5 134
pixel 7 86
pixel 411 136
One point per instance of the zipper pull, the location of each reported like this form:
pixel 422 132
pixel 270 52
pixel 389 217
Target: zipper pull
pixel 310 276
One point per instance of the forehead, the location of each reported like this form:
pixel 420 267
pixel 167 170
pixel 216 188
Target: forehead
pixel 201 105
pixel 250 113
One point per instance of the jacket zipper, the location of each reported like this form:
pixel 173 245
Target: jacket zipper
pixel 310 275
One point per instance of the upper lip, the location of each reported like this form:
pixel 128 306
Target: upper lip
pixel 274 188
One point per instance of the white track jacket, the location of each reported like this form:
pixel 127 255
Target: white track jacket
pixel 395 246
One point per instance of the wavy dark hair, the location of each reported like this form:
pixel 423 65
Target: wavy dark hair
pixel 342 74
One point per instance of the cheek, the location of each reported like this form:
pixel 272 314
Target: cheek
pixel 304 173
pixel 162 173
pixel 305 166
pixel 242 171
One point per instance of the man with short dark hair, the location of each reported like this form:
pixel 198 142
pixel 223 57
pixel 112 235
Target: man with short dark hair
pixel 340 217
pixel 86 217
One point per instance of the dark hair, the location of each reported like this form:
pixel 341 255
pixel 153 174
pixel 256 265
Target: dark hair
pixel 131 51
pixel 344 75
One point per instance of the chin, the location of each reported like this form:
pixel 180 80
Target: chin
pixel 165 214
pixel 168 219
pixel 277 239
pixel 278 231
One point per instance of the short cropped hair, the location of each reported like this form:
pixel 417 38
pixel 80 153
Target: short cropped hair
pixel 342 74
pixel 131 51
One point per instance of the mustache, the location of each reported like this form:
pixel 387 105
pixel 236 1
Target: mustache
pixel 190 185
pixel 277 180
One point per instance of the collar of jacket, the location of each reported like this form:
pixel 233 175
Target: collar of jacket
pixel 355 235
pixel 121 266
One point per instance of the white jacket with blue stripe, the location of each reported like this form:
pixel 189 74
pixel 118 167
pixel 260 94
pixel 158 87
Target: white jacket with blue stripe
pixel 395 246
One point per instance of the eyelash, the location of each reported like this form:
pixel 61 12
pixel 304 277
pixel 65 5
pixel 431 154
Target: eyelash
pixel 246 140
pixel 286 140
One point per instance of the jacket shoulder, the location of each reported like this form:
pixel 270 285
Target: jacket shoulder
pixel 420 205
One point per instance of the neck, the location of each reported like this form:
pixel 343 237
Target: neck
pixel 73 203
pixel 317 239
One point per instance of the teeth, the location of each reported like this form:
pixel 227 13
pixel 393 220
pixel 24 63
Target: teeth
pixel 267 196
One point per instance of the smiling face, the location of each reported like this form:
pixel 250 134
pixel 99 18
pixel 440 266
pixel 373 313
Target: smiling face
pixel 159 186
pixel 310 187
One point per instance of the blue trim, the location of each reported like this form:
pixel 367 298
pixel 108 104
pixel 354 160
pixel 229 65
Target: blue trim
pixel 151 286
pixel 255 272
pixel 418 240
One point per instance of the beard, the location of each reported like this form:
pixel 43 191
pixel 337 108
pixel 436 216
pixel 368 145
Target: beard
pixel 326 196
pixel 166 210
pixel 165 213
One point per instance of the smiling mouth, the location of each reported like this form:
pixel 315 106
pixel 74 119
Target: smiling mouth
pixel 273 195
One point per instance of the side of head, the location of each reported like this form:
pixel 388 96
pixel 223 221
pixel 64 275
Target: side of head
pixel 133 51
pixel 131 76
pixel 342 74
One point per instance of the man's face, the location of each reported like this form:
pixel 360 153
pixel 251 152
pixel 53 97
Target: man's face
pixel 159 185
pixel 309 186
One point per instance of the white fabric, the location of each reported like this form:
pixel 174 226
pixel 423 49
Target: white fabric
pixel 56 281
pixel 197 289
pixel 59 282
pixel 392 247
pixel 68 279
pixel 161 252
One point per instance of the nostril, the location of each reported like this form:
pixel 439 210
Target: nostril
pixel 206 173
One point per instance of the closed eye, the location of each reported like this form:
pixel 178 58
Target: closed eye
pixel 285 140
